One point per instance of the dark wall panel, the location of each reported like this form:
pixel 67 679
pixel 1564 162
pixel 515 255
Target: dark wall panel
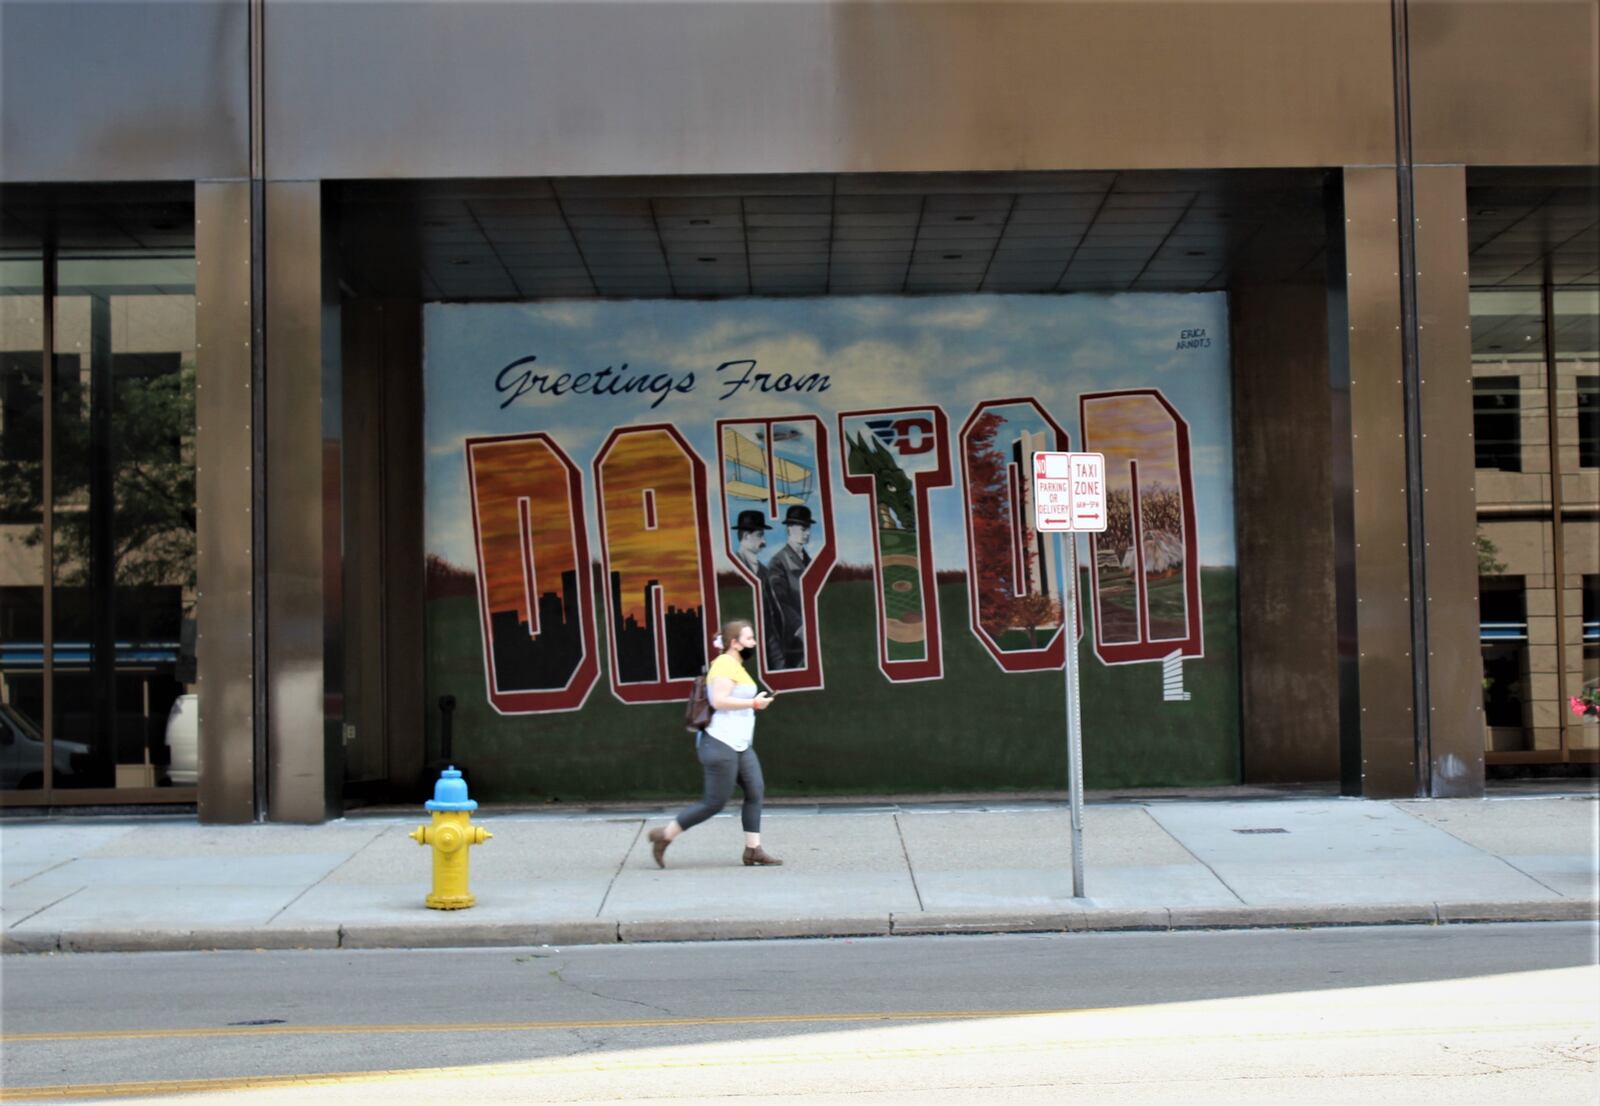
pixel 1282 420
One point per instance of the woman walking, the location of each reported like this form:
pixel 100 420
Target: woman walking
pixel 725 748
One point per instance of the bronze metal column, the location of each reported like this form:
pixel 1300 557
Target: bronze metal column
pixel 224 512
pixel 1454 764
pixel 299 749
pixel 1386 755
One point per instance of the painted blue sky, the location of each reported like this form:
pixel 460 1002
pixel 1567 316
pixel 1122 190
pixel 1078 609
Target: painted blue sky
pixel 876 351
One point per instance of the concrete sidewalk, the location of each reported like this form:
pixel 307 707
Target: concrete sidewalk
pixel 586 878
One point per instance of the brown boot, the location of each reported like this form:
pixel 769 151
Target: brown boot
pixel 658 846
pixel 758 855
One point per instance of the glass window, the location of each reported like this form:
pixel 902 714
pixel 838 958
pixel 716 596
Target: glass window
pixel 1497 422
pixel 124 512
pixel 1575 336
pixel 1588 420
pixel 22 746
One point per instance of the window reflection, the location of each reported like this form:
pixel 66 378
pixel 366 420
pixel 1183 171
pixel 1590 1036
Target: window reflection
pixel 1575 334
pixel 21 511
pixel 124 506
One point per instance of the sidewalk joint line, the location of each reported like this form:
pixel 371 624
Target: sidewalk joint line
pixel 44 871
pixel 623 863
pixel 42 909
pixel 1214 874
pixel 910 871
pixel 1476 848
pixel 321 879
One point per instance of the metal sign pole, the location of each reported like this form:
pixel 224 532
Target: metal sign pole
pixel 1074 721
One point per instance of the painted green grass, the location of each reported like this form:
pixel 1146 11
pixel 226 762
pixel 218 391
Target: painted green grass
pixel 977 729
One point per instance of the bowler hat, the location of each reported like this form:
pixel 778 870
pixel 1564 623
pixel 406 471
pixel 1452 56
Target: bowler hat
pixel 751 520
pixel 799 516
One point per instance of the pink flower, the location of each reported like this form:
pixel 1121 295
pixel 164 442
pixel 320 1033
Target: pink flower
pixel 1577 705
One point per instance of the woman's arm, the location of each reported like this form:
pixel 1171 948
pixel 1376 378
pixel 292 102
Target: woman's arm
pixel 719 690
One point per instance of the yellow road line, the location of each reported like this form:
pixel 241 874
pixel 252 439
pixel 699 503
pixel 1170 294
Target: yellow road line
pixel 521 1027
pixel 595 1065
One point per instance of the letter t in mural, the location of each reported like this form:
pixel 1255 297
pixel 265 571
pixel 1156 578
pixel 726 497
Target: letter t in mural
pixel 894 456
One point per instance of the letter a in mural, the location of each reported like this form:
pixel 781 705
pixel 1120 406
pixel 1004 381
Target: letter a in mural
pixel 655 545
pixel 1014 583
pixel 894 456
pixel 777 496
pixel 1146 580
pixel 535 595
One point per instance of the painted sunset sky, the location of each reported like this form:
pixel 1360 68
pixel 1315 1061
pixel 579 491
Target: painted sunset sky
pixel 876 352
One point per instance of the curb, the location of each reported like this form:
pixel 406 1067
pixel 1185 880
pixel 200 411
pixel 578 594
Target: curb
pixel 1070 919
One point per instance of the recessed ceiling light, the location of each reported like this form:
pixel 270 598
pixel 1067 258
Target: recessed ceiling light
pixel 699 222
pixel 459 261
pixel 1197 253
pixel 1487 211
pixel 705 259
pixel 952 257
pixel 965 218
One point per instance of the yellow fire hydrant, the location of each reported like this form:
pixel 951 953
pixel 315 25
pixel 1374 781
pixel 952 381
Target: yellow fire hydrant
pixel 451 833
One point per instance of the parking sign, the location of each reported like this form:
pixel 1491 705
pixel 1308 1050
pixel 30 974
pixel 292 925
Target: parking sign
pixel 1069 492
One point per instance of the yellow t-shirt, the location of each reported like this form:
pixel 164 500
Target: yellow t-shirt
pixel 728 666
pixel 734 728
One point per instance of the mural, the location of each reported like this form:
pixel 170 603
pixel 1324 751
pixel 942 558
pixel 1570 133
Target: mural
pixel 608 481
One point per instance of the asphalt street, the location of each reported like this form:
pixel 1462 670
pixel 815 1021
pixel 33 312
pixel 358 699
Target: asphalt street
pixel 1478 1013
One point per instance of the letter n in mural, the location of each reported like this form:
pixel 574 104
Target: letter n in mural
pixel 894 456
pixel 1014 583
pixel 776 492
pixel 1146 580
pixel 535 596
pixel 655 545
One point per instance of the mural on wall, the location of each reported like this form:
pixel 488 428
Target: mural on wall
pixel 608 481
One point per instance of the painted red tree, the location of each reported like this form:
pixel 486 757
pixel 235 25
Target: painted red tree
pixel 991 525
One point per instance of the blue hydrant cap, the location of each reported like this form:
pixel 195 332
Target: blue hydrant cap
pixel 450 793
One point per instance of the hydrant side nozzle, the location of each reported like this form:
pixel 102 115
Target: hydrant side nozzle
pixel 419 835
pixel 482 835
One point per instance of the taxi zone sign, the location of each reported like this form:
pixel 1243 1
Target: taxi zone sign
pixel 1069 492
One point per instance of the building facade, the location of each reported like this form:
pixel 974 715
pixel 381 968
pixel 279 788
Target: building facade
pixel 391 381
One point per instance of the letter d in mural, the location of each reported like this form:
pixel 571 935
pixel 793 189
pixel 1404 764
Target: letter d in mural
pixel 534 590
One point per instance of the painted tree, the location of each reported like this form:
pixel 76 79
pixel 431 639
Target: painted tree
pixel 989 499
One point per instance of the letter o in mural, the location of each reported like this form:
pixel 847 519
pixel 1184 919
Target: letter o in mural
pixel 1014 584
pixel 655 546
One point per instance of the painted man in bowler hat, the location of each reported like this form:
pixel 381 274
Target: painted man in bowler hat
pixel 751 531
pixel 786 640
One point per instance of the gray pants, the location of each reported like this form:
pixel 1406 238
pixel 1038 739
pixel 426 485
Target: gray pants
pixel 723 766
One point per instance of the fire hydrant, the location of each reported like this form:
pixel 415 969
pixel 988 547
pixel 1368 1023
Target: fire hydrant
pixel 451 833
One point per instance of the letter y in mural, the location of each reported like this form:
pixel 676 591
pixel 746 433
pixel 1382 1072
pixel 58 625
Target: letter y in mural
pixel 776 489
pixel 894 455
